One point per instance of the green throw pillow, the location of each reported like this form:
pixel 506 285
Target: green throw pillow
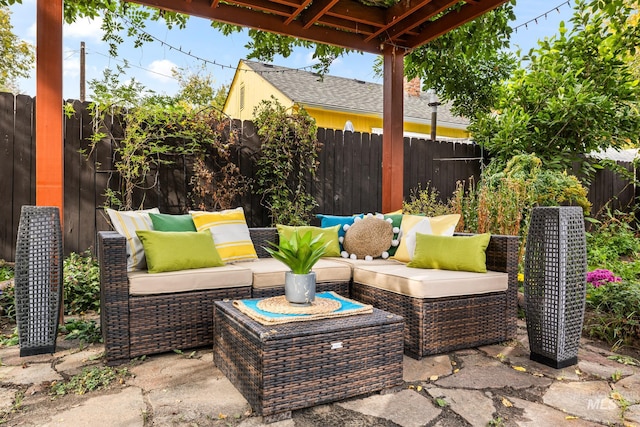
pixel 329 235
pixel 166 222
pixel 460 253
pixel 178 250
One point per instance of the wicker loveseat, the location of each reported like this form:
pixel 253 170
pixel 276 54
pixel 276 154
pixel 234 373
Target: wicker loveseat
pixel 136 324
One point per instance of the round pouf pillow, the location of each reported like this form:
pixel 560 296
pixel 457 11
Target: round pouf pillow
pixel 368 238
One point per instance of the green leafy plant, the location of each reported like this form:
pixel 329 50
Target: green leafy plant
pixel 8 302
pixel 98 378
pixel 9 340
pixel 81 283
pixel 87 331
pixel 614 315
pixel 299 253
pixel 157 130
pixel 426 202
pixel 6 270
pixel 288 161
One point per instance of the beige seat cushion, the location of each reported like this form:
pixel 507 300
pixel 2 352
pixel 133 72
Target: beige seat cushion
pixel 353 263
pixel 228 276
pixel 428 283
pixel 269 272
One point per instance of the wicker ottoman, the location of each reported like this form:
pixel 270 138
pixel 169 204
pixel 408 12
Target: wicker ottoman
pixel 297 365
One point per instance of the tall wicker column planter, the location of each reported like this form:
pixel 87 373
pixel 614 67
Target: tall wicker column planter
pixel 555 284
pixel 38 279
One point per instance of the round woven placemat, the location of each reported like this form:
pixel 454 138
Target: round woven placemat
pixel 280 305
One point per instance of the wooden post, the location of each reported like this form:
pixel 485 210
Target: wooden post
pixel 393 130
pixel 49 141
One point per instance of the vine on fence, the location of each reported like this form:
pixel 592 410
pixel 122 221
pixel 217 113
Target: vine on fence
pixel 158 129
pixel 288 161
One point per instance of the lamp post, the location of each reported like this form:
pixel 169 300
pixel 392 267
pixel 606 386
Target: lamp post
pixel 433 103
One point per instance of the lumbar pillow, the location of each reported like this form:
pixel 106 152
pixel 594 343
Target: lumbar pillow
pixel 344 222
pixel 328 235
pixel 126 223
pixel 230 233
pixel 179 250
pixel 166 222
pixel 443 225
pixel 368 238
pixel 459 253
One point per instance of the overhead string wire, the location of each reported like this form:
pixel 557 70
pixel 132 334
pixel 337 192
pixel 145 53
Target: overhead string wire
pixel 542 15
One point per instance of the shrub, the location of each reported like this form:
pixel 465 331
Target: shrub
pixel 8 302
pixel 86 331
pixel 615 317
pixel 426 202
pixel 81 283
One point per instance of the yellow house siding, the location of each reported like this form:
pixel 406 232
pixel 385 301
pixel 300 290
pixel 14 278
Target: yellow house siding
pixel 331 119
pixel 256 89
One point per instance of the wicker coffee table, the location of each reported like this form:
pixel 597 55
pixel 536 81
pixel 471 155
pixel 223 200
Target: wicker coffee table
pixel 281 368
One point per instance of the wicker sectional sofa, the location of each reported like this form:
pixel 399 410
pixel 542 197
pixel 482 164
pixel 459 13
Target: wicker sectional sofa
pixel 144 313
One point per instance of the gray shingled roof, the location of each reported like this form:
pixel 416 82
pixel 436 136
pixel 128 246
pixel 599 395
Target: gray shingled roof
pixel 306 88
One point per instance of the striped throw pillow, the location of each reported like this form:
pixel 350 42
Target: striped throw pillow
pixel 126 223
pixel 230 233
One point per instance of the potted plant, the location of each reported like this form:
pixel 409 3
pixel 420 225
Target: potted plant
pixel 299 253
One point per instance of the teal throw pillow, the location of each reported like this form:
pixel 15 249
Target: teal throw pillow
pixel 327 221
pixel 166 222
pixel 459 253
pixel 329 235
pixel 178 250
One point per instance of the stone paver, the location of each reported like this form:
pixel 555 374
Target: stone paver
pixel 75 362
pixel 426 368
pixel 472 405
pixel 406 408
pixel 588 399
pixel 187 389
pixel 123 409
pixel 480 372
pixel 536 415
pixel 7 396
pixel 28 374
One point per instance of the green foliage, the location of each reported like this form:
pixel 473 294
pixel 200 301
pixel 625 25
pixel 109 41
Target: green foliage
pixel 10 340
pixel 468 64
pixel 87 332
pixel 17 55
pixel 577 94
pixel 300 253
pixel 98 378
pixel 616 315
pixel 425 201
pixel 287 161
pixel 81 283
pixel 505 197
pixel 8 302
pixel 158 129
pixel 614 245
pixel 6 270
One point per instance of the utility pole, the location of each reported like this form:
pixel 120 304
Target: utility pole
pixel 82 73
pixel 433 103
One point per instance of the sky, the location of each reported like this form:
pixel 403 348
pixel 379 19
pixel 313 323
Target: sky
pixel 152 63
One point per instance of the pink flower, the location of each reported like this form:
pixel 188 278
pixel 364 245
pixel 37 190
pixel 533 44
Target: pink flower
pixel 601 277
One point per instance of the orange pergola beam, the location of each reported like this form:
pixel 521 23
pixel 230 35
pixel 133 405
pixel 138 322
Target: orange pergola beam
pixel 49 119
pixel 393 130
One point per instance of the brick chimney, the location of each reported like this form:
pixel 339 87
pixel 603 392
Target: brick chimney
pixel 413 87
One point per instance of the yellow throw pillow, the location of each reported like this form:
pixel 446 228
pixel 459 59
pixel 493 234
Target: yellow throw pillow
pixel 329 235
pixel 126 223
pixel 443 225
pixel 230 233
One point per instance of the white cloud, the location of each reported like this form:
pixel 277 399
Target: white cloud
pixel 84 29
pixel 161 70
pixel 70 62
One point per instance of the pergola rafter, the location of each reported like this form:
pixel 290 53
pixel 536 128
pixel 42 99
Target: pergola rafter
pixel 389 31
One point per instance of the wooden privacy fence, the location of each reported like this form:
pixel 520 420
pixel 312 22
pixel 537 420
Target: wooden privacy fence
pixel 349 178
